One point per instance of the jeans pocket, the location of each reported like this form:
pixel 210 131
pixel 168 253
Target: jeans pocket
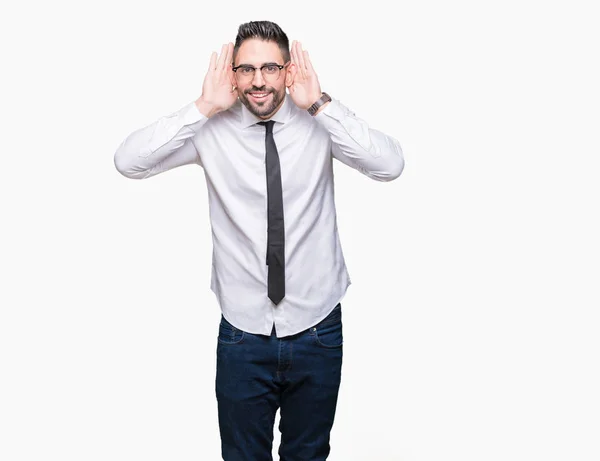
pixel 330 336
pixel 228 334
pixel 329 332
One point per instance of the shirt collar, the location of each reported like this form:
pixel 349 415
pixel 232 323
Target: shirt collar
pixel 282 115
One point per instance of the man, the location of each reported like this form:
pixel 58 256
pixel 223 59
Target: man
pixel 278 270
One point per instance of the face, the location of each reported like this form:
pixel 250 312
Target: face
pixel 262 94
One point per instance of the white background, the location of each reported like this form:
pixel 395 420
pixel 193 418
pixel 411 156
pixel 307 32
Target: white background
pixel 471 327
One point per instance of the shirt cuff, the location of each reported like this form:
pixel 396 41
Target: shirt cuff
pixel 334 110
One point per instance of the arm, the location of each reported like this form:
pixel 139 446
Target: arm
pixel 367 150
pixel 161 146
pixel 168 142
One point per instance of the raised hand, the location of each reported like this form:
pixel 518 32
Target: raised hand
pixel 218 89
pixel 305 88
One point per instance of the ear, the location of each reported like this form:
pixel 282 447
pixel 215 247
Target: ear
pixel 290 75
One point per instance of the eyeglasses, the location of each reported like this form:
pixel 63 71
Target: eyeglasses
pixel 270 72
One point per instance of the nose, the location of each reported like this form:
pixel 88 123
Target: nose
pixel 258 80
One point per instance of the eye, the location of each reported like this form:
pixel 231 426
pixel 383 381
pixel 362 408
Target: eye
pixel 271 69
pixel 246 70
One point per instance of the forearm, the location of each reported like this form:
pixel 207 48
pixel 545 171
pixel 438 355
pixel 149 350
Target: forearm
pixel 162 145
pixel 369 151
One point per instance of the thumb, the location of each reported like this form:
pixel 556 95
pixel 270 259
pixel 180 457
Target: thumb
pixel 231 77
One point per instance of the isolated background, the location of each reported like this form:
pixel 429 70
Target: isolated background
pixel 471 327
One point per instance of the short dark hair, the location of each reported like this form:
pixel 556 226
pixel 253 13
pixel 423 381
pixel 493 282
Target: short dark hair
pixel 264 30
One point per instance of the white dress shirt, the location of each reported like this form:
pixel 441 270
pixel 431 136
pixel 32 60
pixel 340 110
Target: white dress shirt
pixel 230 148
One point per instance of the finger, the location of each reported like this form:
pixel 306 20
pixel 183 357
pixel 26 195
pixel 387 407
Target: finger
pixel 294 57
pixel 221 60
pixel 227 61
pixel 231 76
pixel 293 53
pixel 213 61
pixel 301 62
pixel 229 58
pixel 309 66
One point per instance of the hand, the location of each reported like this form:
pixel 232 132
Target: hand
pixel 218 89
pixel 305 89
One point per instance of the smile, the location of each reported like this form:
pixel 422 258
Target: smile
pixel 259 96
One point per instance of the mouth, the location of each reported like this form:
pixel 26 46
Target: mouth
pixel 258 96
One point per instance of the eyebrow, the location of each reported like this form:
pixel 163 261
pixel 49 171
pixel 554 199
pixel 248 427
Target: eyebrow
pixel 265 64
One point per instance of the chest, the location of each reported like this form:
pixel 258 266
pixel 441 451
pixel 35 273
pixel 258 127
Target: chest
pixel 234 160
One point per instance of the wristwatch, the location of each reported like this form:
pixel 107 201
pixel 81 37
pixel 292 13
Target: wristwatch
pixel 312 110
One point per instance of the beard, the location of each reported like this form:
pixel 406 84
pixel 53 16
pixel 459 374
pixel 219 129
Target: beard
pixel 262 108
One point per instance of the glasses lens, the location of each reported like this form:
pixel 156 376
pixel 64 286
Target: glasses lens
pixel 245 73
pixel 269 73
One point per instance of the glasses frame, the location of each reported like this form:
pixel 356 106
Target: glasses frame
pixel 280 66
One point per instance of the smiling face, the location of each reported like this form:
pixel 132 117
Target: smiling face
pixel 262 94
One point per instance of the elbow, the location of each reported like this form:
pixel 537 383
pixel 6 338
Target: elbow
pixel 124 165
pixel 395 164
pixel 395 169
pixel 390 171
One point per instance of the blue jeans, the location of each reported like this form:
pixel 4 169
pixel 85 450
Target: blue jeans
pixel 299 374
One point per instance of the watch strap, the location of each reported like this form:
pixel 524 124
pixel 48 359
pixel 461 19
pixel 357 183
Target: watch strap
pixel 312 110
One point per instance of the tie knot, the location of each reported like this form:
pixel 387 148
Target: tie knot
pixel 268 124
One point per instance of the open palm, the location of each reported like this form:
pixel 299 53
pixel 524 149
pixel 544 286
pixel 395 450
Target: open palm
pixel 218 87
pixel 305 88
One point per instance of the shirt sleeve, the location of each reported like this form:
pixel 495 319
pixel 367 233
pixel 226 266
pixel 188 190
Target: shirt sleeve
pixel 365 149
pixel 162 145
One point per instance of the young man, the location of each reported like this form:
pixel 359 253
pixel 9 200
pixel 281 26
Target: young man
pixel 278 270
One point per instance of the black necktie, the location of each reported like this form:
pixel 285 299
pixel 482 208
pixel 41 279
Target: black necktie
pixel 275 228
